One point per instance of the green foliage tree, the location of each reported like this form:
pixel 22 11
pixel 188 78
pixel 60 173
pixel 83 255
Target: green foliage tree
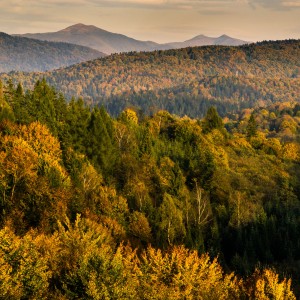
pixel 77 119
pixel 24 270
pixel 251 129
pixel 100 147
pixel 170 224
pixel 6 112
pixel 212 120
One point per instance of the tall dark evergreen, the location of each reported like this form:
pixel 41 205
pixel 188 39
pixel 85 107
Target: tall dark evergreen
pixel 100 146
pixel 77 120
pixel 22 107
pixel 6 112
pixel 212 120
pixel 19 90
pixel 251 129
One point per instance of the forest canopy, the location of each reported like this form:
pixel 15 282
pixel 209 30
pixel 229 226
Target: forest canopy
pixel 183 81
pixel 146 207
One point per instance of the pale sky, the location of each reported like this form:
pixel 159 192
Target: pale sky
pixel 158 20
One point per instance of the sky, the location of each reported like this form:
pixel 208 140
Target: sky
pixel 158 20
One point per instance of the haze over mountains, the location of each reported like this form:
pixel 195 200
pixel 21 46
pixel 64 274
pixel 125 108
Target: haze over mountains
pixel 78 43
pixel 24 54
pixel 108 42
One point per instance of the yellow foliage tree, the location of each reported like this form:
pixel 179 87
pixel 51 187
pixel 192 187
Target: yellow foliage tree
pixel 182 274
pixel 291 151
pixel 33 183
pixel 91 265
pixel 47 147
pixel 139 227
pixel 24 271
pixel 267 286
pixel 20 162
pixel 129 115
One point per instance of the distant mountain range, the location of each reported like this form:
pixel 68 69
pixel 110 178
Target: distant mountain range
pixel 24 54
pixel 79 43
pixel 108 42
pixel 203 40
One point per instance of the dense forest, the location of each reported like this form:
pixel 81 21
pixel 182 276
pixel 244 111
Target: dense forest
pixel 147 207
pixel 185 81
pixel 28 55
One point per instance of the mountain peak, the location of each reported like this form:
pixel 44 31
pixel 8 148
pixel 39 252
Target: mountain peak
pixel 224 36
pixel 109 42
pixel 80 28
pixel 198 37
pixel 228 40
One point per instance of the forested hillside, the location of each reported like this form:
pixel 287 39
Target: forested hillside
pixel 28 55
pixel 185 81
pixel 147 207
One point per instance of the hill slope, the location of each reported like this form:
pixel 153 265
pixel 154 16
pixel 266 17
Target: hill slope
pixel 184 81
pixel 24 54
pixel 108 42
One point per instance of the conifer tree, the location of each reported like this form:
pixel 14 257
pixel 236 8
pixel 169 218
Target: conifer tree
pixel 100 146
pixel 6 112
pixel 77 120
pixel 212 120
pixel 251 127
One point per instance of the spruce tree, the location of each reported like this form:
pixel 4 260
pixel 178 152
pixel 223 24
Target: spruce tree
pixel 212 120
pixel 100 145
pixel 77 121
pixel 251 129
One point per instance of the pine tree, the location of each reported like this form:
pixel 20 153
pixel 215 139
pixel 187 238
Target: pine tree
pixel 6 112
pixel 77 120
pixel 251 129
pixel 100 145
pixel 1 90
pixel 212 120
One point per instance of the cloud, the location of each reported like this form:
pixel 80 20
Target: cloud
pixel 150 4
pixel 275 4
pixel 21 5
pixel 164 20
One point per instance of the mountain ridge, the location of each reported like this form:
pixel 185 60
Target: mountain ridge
pixel 24 54
pixel 109 42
